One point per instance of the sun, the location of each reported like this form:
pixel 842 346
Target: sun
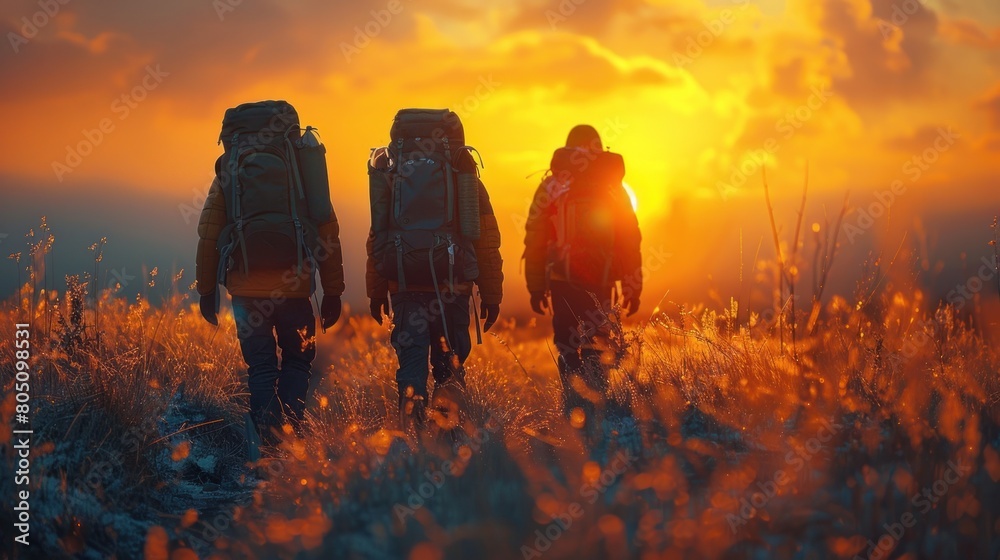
pixel 631 196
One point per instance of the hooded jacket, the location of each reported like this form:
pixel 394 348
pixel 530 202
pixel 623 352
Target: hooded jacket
pixel 540 229
pixel 260 282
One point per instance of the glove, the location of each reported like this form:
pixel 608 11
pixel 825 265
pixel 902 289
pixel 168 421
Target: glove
pixel 330 311
pixel 379 307
pixel 539 303
pixel 207 305
pixel 490 313
pixel 631 305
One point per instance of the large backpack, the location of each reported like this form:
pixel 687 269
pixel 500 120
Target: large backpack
pixel 275 184
pixel 424 191
pixel 587 189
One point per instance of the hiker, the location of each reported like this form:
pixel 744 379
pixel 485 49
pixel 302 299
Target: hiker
pixel 433 237
pixel 582 238
pixel 267 226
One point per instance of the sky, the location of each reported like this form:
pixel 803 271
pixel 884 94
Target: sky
pixel 113 109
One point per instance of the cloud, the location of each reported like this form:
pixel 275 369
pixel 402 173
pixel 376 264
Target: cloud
pixel 884 56
pixel 917 141
pixel 567 67
pixel 98 46
pixel 583 16
pixel 970 33
pixel 990 103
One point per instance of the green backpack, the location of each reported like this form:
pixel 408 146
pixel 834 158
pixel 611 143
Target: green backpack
pixel 275 184
pixel 424 191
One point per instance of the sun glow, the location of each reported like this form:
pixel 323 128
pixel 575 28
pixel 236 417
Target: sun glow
pixel 631 196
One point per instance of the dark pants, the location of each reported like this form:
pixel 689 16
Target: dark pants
pixel 419 334
pixel 274 391
pixel 582 330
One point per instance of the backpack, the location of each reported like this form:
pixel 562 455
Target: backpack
pixel 276 189
pixel 424 191
pixel 586 187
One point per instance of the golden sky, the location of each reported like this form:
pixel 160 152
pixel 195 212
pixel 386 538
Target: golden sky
pixel 697 94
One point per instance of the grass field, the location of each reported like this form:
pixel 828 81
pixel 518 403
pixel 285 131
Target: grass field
pixel 871 432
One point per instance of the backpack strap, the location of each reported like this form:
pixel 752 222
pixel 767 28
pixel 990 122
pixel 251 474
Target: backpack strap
pixel 451 264
pixel 401 277
pixel 449 185
pixel 449 179
pixel 295 181
pixel 234 174
pixel 475 312
pixel 292 156
pixel 472 150
pixel 437 292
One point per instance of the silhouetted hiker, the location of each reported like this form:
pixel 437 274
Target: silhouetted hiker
pixel 433 237
pixel 267 227
pixel 582 237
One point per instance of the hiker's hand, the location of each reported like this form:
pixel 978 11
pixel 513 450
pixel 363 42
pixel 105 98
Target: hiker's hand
pixel 379 307
pixel 330 311
pixel 490 313
pixel 207 305
pixel 631 306
pixel 539 303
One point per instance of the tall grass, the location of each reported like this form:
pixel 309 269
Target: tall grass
pixel 140 449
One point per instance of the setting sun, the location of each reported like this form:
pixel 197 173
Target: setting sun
pixel 631 196
pixel 356 279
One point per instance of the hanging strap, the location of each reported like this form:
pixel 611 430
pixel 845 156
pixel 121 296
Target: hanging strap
pixel 218 299
pixel 472 150
pixel 234 173
pixel 400 275
pixel 449 185
pixel 293 162
pixel 437 292
pixel 222 270
pixel 451 264
pixel 293 157
pixel 475 312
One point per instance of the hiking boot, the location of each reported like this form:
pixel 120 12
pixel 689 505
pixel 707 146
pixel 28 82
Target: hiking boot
pixel 412 414
pixel 446 406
